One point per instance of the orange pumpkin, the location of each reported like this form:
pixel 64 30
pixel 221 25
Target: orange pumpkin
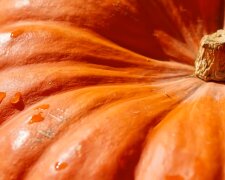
pixel 101 90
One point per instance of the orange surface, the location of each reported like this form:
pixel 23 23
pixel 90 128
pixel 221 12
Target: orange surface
pixel 110 87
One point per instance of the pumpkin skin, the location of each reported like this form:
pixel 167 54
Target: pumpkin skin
pixel 111 88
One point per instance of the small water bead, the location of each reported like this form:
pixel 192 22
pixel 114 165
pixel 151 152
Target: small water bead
pixel 60 166
pixel 42 107
pixel 36 118
pixel 17 101
pixel 2 96
pixel 16 98
pixel 16 33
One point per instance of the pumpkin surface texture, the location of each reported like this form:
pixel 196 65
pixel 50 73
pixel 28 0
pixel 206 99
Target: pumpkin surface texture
pixel 104 90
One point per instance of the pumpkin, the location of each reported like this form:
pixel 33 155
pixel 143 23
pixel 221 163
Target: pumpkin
pixel 105 90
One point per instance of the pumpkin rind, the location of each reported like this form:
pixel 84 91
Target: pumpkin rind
pixel 113 89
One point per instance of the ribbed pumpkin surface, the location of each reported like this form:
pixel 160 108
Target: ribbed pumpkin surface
pixel 103 90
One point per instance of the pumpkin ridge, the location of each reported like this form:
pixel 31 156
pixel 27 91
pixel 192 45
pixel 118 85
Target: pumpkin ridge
pixel 185 98
pixel 57 80
pixel 85 113
pixel 135 158
pixel 67 132
pixel 105 112
pixel 55 33
pixel 195 158
pixel 81 118
pixel 169 44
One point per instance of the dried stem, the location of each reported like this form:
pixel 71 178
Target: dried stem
pixel 210 62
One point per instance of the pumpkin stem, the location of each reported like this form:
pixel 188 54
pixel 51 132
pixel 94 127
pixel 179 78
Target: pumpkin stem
pixel 210 62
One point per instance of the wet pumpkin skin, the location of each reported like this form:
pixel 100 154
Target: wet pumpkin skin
pixel 106 90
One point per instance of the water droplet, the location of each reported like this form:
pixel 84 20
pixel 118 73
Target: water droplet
pixel 17 101
pixel 36 118
pixel 16 33
pixel 60 165
pixel 16 98
pixel 2 96
pixel 42 107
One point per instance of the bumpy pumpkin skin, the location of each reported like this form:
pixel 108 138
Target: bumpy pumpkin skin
pixel 107 91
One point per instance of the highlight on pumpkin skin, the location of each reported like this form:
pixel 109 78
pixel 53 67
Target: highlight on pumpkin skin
pixel 22 3
pixel 5 38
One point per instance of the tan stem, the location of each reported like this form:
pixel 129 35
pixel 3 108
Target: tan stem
pixel 210 62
